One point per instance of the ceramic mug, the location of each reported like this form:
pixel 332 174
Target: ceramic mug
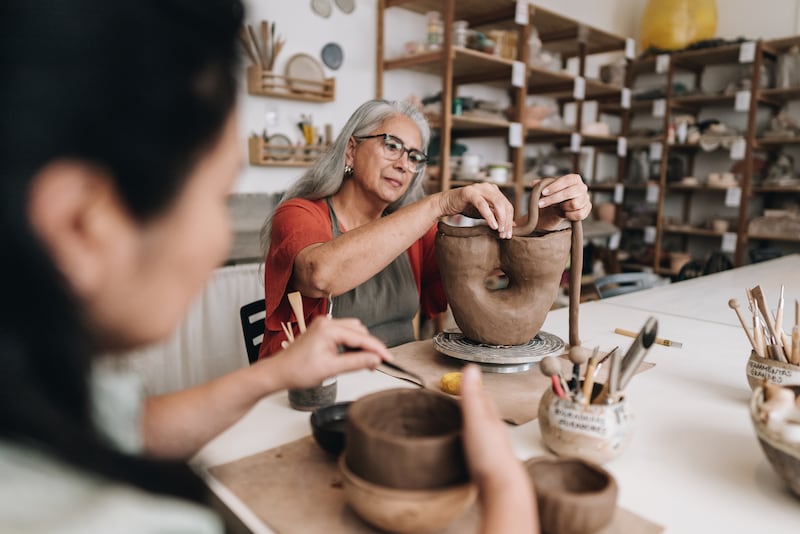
pixel 498 172
pixel 470 166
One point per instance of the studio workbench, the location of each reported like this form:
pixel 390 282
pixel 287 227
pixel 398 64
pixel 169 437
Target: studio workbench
pixel 694 463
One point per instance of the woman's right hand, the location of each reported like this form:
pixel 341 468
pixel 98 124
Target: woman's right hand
pixel 481 200
pixel 314 355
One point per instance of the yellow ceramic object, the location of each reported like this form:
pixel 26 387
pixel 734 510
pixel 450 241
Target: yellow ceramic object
pixel 675 24
pixel 451 383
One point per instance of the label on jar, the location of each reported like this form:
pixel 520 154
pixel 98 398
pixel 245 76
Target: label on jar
pixel 773 373
pixel 608 422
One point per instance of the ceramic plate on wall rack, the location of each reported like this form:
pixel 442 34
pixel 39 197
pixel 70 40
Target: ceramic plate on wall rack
pixel 305 67
pixel 322 8
pixel 347 6
pixel 332 55
pixel 275 150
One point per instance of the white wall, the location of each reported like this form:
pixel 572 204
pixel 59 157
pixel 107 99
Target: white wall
pixel 355 80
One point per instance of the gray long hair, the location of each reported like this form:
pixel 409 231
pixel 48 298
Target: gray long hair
pixel 326 176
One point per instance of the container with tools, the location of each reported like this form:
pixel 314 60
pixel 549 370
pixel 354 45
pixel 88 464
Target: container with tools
pixel 587 418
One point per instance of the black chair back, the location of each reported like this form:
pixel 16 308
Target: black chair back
pixel 253 317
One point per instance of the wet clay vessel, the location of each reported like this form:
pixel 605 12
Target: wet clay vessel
pixel 406 439
pixel 573 496
pixel 533 262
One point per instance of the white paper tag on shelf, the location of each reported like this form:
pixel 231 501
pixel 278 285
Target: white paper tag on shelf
pixel 613 241
pixel 583 33
pixel 649 234
pixel 728 242
pixel 682 132
pixel 662 63
pixel 659 107
pixel 622 147
pixel 630 48
pixel 619 193
pixel 521 14
pixel 652 193
pixel 738 149
pixel 515 134
pixel 742 101
pixel 575 142
pixel 656 149
pixel 518 74
pixel 747 52
pixel 579 88
pixel 625 98
pixel 733 197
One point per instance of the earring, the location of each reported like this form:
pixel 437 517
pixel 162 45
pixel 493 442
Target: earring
pixel 348 170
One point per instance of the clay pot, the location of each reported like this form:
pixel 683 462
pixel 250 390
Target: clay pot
pixel 677 260
pixel 406 439
pixel 783 455
pixel 780 373
pixel 606 211
pixel 573 496
pixel 533 263
pixel 407 511
pixel 595 432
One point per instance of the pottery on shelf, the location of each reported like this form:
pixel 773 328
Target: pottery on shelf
pixel 573 496
pixel 405 511
pixel 595 432
pixel 406 439
pixel 532 261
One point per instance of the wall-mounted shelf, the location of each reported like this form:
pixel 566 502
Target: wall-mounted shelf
pixel 272 84
pixel 265 154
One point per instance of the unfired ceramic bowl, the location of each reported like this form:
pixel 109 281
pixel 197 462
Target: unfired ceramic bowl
pixel 406 511
pixel 406 439
pixel 573 495
pixel 780 373
pixel 784 456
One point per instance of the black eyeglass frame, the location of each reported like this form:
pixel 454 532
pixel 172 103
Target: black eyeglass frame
pixel 387 137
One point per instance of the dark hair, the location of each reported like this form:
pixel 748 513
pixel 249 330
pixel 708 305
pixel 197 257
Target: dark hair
pixel 140 88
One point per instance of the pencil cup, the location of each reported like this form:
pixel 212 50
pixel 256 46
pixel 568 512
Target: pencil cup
pixel 777 372
pixel 309 399
pixel 593 432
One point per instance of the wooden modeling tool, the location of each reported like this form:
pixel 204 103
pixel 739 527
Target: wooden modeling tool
pixel 577 357
pixel 611 388
pixel 734 305
pixel 761 302
pixel 551 368
pixel 658 341
pixel 296 302
pixel 795 359
pixel 758 337
pixel 588 379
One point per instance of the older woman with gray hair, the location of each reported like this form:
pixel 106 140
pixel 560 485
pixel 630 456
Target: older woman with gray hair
pixel 356 228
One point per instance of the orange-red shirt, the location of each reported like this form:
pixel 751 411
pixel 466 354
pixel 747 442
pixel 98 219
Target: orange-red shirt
pixel 298 223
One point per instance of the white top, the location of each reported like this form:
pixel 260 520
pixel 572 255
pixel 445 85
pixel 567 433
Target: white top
pixel 41 494
pixel 694 463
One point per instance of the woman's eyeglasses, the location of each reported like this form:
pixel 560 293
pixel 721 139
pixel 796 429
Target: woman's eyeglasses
pixel 393 149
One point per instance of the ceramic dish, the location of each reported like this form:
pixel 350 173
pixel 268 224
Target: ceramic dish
pixel 304 67
pixel 328 425
pixel 332 55
pixel 322 8
pixel 276 150
pixel 347 6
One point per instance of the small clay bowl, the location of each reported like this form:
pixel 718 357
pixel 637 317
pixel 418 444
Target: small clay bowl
pixel 573 495
pixel 328 425
pixel 784 456
pixel 406 439
pixel 406 511
pixel 780 373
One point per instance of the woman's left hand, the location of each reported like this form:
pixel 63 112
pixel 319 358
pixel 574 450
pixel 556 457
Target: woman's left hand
pixel 565 198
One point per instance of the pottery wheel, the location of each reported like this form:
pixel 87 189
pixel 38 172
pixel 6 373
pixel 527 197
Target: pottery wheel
pixel 499 358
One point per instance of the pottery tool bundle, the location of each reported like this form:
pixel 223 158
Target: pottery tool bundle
pixel 262 51
pixel 767 336
pixel 622 369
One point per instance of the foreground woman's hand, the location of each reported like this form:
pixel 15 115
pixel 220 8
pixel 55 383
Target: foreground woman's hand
pixel 504 486
pixel 566 198
pixel 483 200
pixel 314 355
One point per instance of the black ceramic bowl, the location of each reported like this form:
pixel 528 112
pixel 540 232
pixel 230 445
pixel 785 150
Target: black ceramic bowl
pixel 329 424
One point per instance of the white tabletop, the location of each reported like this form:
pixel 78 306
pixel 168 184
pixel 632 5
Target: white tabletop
pixel 707 297
pixel 694 464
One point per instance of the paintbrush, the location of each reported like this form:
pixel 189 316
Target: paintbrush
pixel 658 341
pixel 761 302
pixel 637 351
